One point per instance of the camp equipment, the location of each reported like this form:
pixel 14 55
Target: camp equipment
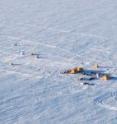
pixel 105 77
pixel 74 70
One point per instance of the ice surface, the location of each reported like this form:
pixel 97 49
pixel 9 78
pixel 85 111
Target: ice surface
pixel 65 33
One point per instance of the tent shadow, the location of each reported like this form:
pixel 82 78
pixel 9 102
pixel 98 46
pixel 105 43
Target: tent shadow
pixel 114 78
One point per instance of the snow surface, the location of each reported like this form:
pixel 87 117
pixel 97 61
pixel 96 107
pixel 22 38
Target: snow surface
pixel 66 33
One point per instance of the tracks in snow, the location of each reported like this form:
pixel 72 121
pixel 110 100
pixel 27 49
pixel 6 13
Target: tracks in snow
pixel 107 100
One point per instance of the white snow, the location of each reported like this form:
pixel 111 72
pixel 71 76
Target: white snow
pixel 65 34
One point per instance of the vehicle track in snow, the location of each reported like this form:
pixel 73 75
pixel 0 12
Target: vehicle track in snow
pixel 107 100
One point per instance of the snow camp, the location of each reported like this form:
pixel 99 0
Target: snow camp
pixel 58 61
pixel 93 74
